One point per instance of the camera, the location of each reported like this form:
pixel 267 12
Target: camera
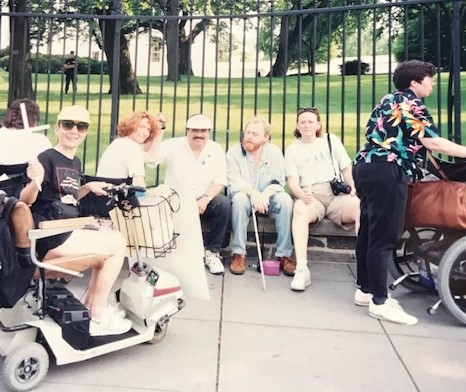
pixel 339 187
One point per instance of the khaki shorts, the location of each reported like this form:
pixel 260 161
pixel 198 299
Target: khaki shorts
pixel 326 204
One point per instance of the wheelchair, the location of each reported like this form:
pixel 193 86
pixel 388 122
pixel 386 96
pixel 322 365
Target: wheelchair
pixel 48 320
pixel 433 259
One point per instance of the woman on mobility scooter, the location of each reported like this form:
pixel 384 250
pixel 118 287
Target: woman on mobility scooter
pixel 58 199
pixel 399 127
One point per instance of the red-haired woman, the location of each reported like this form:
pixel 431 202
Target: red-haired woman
pixel 125 156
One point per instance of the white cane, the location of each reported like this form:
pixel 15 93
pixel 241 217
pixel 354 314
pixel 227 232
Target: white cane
pixel 25 119
pixel 259 251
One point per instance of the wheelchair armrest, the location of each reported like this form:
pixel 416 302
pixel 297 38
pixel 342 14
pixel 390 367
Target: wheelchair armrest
pixel 71 223
pixel 54 227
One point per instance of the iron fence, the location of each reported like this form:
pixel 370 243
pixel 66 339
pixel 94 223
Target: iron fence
pixel 231 61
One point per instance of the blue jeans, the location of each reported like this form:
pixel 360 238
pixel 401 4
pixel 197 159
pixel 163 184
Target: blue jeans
pixel 280 207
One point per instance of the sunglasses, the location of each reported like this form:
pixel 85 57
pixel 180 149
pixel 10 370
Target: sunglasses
pixel 68 125
pixel 310 110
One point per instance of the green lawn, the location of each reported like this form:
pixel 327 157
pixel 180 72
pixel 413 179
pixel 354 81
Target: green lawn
pixel 231 105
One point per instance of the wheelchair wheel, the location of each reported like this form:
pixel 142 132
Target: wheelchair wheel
pixel 452 279
pixel 404 259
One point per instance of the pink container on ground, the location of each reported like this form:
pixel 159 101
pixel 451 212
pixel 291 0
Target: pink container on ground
pixel 271 267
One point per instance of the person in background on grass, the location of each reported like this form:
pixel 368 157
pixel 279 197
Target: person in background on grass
pixel 61 191
pixel 71 67
pixel 198 164
pixel 310 167
pixel 126 155
pixel 399 127
pixel 256 177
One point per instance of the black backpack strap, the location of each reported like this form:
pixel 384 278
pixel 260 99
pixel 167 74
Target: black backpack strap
pixel 7 203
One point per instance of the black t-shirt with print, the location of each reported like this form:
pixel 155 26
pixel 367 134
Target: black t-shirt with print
pixel 61 182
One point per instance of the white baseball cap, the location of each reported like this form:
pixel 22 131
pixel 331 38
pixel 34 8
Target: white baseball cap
pixel 199 121
pixel 74 113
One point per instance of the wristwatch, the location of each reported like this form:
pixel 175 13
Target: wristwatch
pixel 208 197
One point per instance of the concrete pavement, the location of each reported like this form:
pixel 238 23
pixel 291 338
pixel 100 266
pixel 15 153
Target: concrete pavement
pixel 248 340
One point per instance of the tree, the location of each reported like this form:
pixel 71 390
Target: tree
pixel 304 38
pixel 108 28
pixel 20 81
pixel 421 35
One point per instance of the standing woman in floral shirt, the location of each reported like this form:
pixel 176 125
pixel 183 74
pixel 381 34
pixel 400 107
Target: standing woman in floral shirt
pixel 399 127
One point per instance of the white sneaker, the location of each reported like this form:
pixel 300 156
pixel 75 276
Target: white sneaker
pixel 391 311
pixel 214 262
pixel 115 310
pixel 301 279
pixel 361 298
pixel 109 326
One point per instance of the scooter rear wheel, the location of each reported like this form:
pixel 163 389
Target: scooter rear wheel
pixel 25 367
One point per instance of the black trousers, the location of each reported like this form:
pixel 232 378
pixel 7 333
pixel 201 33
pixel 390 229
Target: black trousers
pixel 217 213
pixel 69 78
pixel 383 191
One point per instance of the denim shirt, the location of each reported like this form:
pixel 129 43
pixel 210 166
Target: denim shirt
pixel 269 174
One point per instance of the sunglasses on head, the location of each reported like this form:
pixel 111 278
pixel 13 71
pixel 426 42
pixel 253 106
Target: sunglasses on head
pixel 310 110
pixel 68 125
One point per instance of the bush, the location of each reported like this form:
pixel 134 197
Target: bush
pixel 5 62
pixel 94 65
pixel 351 67
pixel 54 64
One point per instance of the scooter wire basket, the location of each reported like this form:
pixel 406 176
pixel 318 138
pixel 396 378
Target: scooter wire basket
pixel 148 228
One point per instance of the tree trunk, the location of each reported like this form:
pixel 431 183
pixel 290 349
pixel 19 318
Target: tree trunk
pixel 280 66
pixel 287 45
pixel 172 40
pixel 20 68
pixel 185 62
pixel 128 82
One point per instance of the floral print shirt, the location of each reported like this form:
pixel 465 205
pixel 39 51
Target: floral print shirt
pixel 393 131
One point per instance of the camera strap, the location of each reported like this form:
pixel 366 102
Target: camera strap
pixel 331 157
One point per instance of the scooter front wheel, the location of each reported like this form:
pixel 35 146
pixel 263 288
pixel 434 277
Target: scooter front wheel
pixel 25 367
pixel 159 333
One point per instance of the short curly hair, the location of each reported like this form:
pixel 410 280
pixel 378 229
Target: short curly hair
pixel 13 117
pixel 130 125
pixel 410 70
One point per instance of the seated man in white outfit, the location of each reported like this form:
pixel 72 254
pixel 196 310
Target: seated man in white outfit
pixel 197 166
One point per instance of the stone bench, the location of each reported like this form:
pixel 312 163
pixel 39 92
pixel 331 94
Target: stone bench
pixel 327 241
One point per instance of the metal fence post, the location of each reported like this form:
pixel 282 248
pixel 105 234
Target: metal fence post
pixel 116 71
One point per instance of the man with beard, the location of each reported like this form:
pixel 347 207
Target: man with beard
pixel 256 176
pixel 196 165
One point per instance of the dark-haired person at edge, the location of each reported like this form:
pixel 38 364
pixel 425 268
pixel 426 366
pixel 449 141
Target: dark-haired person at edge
pixel 310 167
pixel 18 144
pixel 61 192
pixel 399 127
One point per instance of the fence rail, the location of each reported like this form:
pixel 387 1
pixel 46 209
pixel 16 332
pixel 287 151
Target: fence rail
pixel 232 61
